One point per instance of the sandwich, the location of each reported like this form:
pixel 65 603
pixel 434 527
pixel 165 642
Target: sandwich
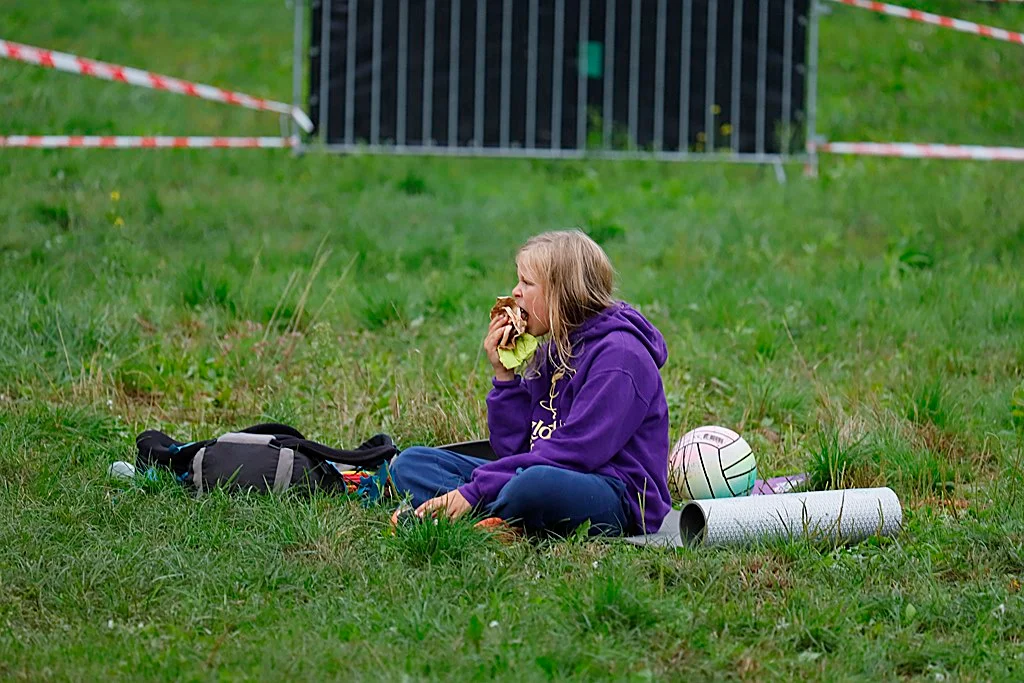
pixel 516 346
pixel 517 318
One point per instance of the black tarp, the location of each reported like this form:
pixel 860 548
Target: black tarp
pixel 680 49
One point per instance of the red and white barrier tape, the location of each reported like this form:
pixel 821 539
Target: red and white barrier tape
pixel 63 61
pixel 937 20
pixel 144 142
pixel 922 151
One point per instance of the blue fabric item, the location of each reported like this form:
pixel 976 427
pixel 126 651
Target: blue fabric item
pixel 376 487
pixel 153 474
pixel 542 499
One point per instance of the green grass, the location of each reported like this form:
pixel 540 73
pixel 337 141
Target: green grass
pixel 865 326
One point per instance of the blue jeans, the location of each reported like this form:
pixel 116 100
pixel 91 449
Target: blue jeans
pixel 542 499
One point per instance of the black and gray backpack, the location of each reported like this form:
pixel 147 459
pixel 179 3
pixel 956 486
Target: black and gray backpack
pixel 264 457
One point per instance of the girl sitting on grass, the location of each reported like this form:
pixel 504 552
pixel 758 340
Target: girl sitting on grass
pixel 583 433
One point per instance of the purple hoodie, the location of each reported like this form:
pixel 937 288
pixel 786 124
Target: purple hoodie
pixel 609 416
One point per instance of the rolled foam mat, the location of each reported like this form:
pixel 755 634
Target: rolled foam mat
pixel 845 516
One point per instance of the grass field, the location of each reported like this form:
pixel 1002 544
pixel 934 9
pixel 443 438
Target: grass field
pixel 867 326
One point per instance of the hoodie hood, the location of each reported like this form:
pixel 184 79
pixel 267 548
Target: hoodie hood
pixel 621 317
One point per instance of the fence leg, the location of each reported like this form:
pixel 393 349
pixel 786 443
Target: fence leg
pixel 780 172
pixel 811 165
pixel 298 42
pixel 811 168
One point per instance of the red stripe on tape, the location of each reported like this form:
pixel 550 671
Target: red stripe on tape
pixel 85 66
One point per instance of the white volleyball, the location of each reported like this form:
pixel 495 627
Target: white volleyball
pixel 711 462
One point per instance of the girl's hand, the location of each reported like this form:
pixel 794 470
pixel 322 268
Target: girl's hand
pixel 493 337
pixel 453 504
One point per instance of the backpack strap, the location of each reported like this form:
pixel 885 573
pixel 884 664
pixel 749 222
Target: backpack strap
pixel 197 470
pixel 275 428
pixel 369 455
pixel 247 438
pixel 285 464
pixel 156 449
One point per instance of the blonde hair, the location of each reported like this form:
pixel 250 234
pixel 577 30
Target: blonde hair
pixel 577 279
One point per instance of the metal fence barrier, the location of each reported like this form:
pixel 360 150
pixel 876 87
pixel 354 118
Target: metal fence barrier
pixel 666 79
